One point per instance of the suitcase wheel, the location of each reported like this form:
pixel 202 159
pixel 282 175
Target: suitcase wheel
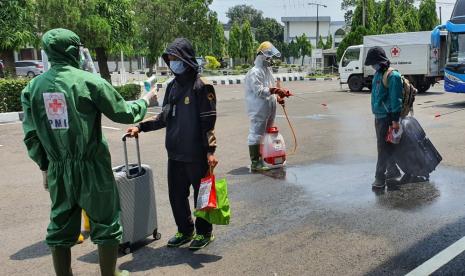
pixel 125 248
pixel 156 235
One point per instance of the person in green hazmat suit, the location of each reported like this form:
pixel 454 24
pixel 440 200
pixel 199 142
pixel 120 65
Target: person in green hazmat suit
pixel 62 126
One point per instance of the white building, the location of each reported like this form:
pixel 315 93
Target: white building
pixel 296 26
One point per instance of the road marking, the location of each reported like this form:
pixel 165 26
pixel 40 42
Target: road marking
pixel 12 123
pixel 439 259
pixel 113 128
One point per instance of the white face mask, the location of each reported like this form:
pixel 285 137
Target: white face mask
pixel 177 66
pixel 376 67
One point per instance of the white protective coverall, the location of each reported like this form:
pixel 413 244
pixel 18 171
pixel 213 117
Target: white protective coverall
pixel 261 104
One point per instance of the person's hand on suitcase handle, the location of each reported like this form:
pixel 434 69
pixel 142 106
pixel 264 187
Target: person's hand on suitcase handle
pixel 133 131
pixel 45 180
pixel 212 161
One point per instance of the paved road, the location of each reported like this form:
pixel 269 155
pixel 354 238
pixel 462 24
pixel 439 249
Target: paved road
pixel 318 217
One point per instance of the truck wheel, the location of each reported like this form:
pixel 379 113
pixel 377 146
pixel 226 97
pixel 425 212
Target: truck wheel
pixel 423 87
pixel 355 83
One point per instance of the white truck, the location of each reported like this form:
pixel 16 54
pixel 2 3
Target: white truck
pixel 410 53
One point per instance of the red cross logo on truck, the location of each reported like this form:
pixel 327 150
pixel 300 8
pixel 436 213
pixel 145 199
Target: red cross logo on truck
pixel 56 106
pixel 395 51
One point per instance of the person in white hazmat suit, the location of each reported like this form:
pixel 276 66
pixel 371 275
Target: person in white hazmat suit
pixel 261 95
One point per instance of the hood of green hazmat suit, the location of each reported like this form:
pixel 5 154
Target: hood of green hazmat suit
pixel 63 134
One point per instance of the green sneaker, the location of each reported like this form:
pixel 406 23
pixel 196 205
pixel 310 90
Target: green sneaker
pixel 180 239
pixel 200 241
pixel 258 166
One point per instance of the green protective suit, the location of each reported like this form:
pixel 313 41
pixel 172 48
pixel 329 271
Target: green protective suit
pixel 63 134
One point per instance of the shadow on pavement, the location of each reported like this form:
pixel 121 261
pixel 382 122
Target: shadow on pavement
pixel 429 93
pixel 149 258
pixel 36 250
pixel 457 105
pixel 240 171
pixel 424 250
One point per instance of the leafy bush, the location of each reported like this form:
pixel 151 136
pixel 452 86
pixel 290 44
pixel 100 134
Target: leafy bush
pixel 245 66
pixel 212 63
pixel 10 94
pixel 129 92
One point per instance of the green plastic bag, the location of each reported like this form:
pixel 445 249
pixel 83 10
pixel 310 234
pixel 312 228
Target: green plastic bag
pixel 222 214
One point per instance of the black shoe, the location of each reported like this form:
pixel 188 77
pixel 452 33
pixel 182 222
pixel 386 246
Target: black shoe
pixel 180 239
pixel 419 179
pixel 393 174
pixel 200 241
pixel 378 184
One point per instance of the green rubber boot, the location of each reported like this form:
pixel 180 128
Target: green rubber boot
pixel 107 255
pixel 257 163
pixel 62 260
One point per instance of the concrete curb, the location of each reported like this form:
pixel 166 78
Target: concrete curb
pixel 239 79
pixel 10 117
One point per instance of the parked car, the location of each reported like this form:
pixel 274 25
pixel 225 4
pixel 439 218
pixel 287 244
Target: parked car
pixel 29 68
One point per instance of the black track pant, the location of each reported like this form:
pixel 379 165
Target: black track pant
pixel 386 161
pixel 181 175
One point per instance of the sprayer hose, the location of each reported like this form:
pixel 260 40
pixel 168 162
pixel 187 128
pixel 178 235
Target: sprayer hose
pixel 292 129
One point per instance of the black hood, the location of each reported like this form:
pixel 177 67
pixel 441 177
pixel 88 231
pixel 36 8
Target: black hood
pixel 182 49
pixel 376 55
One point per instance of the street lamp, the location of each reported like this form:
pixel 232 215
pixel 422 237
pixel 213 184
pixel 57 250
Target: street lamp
pixel 317 20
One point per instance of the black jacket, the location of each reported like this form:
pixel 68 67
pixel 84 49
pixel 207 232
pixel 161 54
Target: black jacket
pixel 189 111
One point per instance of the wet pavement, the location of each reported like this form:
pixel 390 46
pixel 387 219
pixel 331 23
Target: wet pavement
pixel 318 216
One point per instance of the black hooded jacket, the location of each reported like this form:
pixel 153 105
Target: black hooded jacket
pixel 189 110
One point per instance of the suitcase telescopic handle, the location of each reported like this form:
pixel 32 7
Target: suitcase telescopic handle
pixel 126 163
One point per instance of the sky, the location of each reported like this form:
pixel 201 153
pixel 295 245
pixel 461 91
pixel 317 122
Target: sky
pixel 282 8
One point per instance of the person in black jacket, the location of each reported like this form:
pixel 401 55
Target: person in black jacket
pixel 189 115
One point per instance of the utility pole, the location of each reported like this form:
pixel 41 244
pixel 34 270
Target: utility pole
pixel 317 21
pixel 440 15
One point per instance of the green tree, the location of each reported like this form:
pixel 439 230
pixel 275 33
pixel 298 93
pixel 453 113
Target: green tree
pixel 247 42
pixel 161 21
pixel 269 30
pixel 304 46
pixel 193 18
pixel 428 17
pixel 321 43
pixel 329 42
pixel 101 24
pixel 234 43
pixel 294 50
pixel 218 41
pixel 285 53
pixel 16 29
pixel 410 20
pixel 353 38
pixel 241 13
pixel 370 15
pixel 390 21
pixel 347 6
pixel 157 27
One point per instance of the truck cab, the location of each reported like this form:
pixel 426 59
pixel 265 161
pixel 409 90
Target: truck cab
pixel 351 68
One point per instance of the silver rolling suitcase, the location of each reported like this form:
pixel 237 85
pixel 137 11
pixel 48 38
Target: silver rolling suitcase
pixel 137 200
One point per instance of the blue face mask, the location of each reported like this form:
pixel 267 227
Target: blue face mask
pixel 177 66
pixel 376 67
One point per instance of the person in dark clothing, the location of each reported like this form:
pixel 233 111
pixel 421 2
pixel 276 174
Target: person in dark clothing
pixel 189 115
pixel 386 105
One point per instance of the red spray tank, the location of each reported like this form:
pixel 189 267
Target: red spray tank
pixel 273 148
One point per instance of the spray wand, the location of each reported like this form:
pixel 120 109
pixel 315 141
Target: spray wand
pixel 282 103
